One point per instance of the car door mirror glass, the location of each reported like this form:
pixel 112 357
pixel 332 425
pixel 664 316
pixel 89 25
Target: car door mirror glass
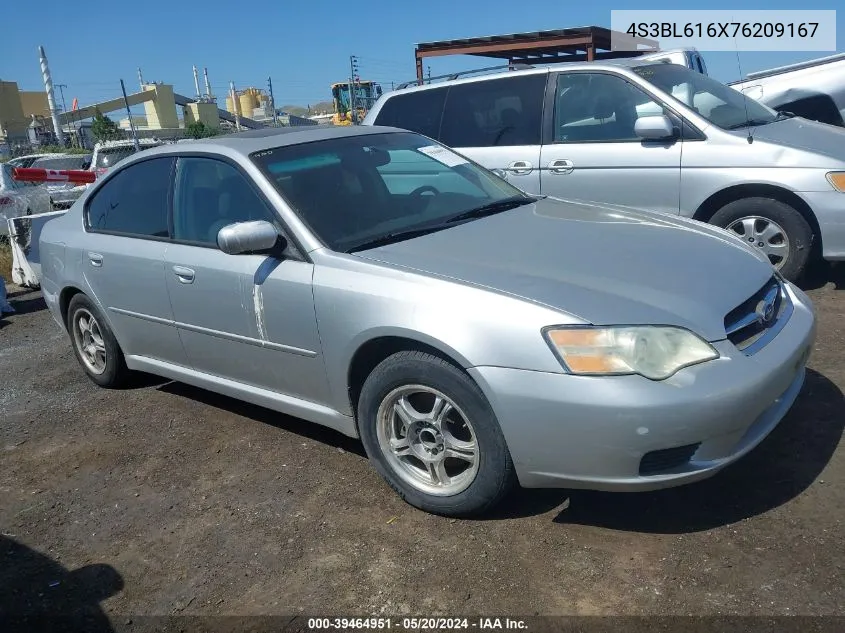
pixel 247 237
pixel 652 128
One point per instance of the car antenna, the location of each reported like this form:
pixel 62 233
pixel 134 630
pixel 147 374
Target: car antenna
pixel 750 138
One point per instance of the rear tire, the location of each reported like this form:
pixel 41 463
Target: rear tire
pixel 775 228
pixel 431 434
pixel 94 344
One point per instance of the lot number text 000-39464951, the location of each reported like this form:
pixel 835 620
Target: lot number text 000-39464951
pixel 724 30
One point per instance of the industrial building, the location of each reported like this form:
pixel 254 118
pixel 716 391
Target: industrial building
pixel 17 109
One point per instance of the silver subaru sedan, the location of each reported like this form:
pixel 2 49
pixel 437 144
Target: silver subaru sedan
pixel 474 337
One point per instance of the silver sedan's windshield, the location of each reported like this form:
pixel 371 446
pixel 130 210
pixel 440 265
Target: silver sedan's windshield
pixel 723 106
pixel 356 192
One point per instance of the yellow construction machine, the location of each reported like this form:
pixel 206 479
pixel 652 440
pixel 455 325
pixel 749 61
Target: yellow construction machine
pixel 365 95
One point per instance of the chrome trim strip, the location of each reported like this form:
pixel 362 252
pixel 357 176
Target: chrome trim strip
pixel 245 339
pixel 143 317
pixel 218 334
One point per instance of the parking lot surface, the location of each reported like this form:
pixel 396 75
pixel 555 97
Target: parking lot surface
pixel 163 499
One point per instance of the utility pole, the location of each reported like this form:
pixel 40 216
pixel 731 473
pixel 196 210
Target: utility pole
pixel 272 100
pixel 61 88
pixel 353 80
pixel 129 114
pixel 235 106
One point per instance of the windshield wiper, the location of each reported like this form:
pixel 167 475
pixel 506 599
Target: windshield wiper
pixel 397 236
pixel 491 208
pixel 749 123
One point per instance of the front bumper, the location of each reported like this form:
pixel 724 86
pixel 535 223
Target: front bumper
pixel 592 432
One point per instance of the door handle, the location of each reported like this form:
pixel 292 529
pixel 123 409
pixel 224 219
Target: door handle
pixel 520 167
pixel 561 166
pixel 185 275
pixel 96 259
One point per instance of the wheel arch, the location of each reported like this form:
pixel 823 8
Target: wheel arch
pixel 725 196
pixel 67 293
pixel 372 351
pixel 719 199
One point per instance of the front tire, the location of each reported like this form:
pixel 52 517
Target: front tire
pixel 773 227
pixel 94 344
pixel 431 434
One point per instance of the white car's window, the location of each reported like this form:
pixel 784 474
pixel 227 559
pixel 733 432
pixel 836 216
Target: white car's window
pixel 355 190
pixel 65 162
pixel 134 201
pixel 6 180
pixel 599 107
pixel 210 194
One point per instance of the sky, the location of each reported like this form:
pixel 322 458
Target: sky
pixel 303 46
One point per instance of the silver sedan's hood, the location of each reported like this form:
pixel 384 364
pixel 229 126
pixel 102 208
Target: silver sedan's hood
pixel 601 264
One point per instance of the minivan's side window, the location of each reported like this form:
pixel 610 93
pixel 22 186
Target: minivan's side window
pixel 419 111
pixel 134 201
pixel 494 112
pixel 209 195
pixel 599 107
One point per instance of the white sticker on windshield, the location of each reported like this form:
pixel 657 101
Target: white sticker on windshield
pixel 443 155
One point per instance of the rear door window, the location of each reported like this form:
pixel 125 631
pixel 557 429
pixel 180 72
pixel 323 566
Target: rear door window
pixel 135 201
pixel 494 112
pixel 419 111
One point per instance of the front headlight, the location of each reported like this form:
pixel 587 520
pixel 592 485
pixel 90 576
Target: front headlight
pixel 655 352
pixel 837 180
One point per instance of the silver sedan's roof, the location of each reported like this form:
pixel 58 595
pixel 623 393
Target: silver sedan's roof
pixel 265 138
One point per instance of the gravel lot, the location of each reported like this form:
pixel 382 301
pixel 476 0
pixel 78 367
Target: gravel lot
pixel 165 500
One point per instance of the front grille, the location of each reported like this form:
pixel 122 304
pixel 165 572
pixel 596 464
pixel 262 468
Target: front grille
pixel 656 462
pixel 747 327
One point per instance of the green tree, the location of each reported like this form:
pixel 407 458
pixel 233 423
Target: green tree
pixel 198 129
pixel 104 129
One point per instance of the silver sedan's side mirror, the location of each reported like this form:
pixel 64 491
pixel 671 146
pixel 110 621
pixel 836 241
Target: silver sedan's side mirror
pixel 247 237
pixel 654 128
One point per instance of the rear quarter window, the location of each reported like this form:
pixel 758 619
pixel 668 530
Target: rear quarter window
pixel 418 111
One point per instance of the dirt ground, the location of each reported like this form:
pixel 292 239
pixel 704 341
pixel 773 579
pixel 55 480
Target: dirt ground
pixel 166 500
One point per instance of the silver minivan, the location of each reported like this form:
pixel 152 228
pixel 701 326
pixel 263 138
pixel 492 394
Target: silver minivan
pixel 651 136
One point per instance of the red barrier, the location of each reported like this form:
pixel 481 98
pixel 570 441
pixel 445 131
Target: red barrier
pixel 73 176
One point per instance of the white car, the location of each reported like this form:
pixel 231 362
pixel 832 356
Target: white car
pixel 107 153
pixel 17 198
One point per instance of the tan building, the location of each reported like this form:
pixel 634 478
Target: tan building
pixel 205 112
pixel 34 102
pixel 13 121
pixel 161 112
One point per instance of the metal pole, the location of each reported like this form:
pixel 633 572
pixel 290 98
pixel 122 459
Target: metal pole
pixel 207 84
pixel 272 100
pixel 61 88
pixel 140 78
pixel 353 112
pixel 129 114
pixel 236 106
pixel 51 100
pixel 197 83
